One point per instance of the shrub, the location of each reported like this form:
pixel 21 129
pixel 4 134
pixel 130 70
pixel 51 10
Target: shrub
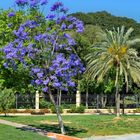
pixel 45 110
pixel 53 109
pixel 68 106
pixel 44 104
pixel 74 109
pixel 37 113
pixel 80 109
pixel 19 111
pixel 137 110
pixel 7 98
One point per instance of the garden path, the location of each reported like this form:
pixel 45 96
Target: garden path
pixel 24 127
pixel 120 137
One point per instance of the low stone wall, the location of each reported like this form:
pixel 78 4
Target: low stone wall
pixel 65 111
pixel 107 111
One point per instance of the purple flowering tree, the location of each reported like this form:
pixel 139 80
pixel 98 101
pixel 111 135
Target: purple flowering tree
pixel 49 55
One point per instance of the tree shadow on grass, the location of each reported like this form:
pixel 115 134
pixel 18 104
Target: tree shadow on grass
pixel 7 116
pixel 71 131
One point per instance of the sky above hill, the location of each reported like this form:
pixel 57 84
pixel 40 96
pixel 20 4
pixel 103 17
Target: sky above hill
pixel 127 8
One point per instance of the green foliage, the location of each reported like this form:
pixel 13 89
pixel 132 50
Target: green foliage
pixel 135 90
pixel 7 25
pixel 107 21
pixel 137 110
pixel 54 111
pixel 67 106
pixel 7 99
pixel 87 84
pixel 130 100
pixel 74 109
pixel 109 87
pixel 44 104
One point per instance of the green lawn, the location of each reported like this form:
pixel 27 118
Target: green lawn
pixel 84 125
pixel 11 133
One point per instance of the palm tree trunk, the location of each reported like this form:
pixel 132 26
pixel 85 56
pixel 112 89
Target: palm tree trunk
pixel 123 106
pixel 117 97
pixel 97 104
pixel 87 97
pixel 61 125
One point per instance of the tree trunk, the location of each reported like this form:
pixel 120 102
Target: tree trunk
pixel 103 100
pixel 97 105
pixel 87 97
pixel 117 97
pixel 123 109
pixel 61 125
pixel 5 115
pixel 60 97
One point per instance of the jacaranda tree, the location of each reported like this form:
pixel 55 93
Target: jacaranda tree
pixel 46 55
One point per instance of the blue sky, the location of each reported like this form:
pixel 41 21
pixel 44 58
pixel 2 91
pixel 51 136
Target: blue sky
pixel 128 8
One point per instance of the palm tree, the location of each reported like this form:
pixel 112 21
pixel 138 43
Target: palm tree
pixel 115 52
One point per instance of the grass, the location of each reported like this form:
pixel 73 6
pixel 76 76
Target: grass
pixel 84 125
pixel 11 133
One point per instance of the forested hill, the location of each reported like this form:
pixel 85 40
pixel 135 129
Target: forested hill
pixel 107 21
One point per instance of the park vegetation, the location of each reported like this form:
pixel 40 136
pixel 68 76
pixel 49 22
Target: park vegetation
pixel 58 52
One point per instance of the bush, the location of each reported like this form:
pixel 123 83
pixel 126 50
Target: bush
pixel 7 99
pixel 44 104
pixel 74 109
pixel 53 109
pixel 68 106
pixel 137 110
pixel 19 111
pixel 40 112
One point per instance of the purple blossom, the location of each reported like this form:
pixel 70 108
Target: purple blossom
pixel 63 26
pixel 67 36
pixel 71 84
pixel 40 75
pixel 46 82
pixel 33 3
pixel 20 33
pixel 71 19
pixel 77 62
pixel 71 42
pixel 79 26
pixel 53 77
pixel 23 51
pixel 46 69
pixel 56 6
pixel 50 16
pixel 5 65
pixel 45 89
pixel 36 70
pixel 21 2
pixel 70 26
pixel 10 24
pixel 62 18
pixel 56 85
pixel 38 37
pixel 38 81
pixel 43 2
pixel 64 10
pixel 11 14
